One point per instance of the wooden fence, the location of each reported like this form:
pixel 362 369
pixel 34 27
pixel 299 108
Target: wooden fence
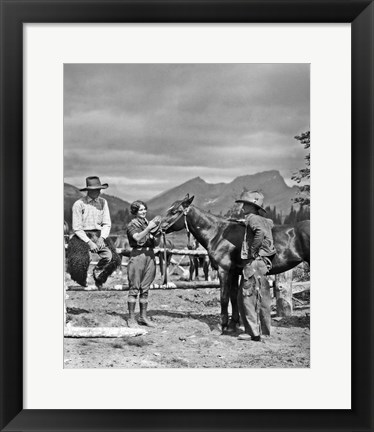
pixel 283 288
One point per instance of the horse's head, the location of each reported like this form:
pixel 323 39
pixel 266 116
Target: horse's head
pixel 173 221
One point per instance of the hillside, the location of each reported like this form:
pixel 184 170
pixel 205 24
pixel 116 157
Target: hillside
pixel 217 198
pixel 220 197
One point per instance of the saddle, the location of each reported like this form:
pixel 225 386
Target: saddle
pixel 238 221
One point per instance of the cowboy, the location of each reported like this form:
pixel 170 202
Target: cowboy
pixel 91 225
pixel 258 251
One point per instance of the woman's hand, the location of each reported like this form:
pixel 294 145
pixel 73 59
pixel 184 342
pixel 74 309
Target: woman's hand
pixel 152 228
pixel 154 223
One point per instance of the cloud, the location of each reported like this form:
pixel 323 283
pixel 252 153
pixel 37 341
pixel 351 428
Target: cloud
pixel 164 123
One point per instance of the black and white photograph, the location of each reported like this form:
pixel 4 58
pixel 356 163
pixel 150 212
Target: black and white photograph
pixel 187 205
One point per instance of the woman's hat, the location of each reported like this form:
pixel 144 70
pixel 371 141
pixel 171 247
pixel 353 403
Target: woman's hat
pixel 93 182
pixel 252 197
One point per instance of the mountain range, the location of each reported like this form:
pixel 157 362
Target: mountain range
pixel 218 198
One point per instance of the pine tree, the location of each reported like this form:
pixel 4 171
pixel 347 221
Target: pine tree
pixel 303 175
pixel 291 218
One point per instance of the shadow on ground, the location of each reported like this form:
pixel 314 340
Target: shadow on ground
pixel 293 321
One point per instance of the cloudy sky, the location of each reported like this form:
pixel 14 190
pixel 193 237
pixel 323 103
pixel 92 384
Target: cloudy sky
pixel 145 128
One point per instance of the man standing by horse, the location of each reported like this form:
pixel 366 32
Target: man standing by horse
pixel 258 251
pixel 91 226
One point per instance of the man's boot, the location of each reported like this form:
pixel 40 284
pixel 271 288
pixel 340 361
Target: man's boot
pixel 96 273
pixel 131 322
pixel 143 315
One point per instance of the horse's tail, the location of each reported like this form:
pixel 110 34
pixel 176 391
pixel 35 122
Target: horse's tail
pixel 303 228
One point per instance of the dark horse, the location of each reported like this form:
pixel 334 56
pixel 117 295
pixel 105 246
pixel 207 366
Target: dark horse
pixel 223 238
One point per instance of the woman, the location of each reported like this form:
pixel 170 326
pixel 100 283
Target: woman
pixel 141 269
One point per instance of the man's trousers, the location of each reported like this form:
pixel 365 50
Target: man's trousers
pixel 254 300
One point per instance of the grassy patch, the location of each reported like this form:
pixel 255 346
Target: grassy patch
pixel 178 362
pixel 137 342
pixel 117 345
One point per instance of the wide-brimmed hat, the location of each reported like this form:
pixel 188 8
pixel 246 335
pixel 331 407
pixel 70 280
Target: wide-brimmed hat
pixel 93 182
pixel 252 197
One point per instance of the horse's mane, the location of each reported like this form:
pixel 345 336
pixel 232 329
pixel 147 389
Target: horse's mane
pixel 213 217
pixel 220 219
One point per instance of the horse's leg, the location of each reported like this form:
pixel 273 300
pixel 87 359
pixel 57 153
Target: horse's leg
pixel 192 267
pixel 196 261
pixel 206 267
pixel 223 279
pixel 234 284
pixel 168 260
pixel 214 271
pixel 161 263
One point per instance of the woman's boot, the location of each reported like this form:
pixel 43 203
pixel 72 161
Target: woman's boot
pixel 143 315
pixel 131 322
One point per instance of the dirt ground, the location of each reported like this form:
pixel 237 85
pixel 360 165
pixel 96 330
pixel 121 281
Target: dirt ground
pixel 187 334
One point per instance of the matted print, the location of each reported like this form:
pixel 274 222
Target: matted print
pixel 186 209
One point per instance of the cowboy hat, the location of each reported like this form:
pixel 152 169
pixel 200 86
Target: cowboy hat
pixel 252 197
pixel 93 182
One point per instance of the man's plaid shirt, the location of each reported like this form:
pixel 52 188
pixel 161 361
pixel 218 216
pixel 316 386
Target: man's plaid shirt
pixel 89 214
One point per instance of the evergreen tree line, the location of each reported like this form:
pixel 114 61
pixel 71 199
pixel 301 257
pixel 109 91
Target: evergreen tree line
pixel 294 216
pixel 303 213
pixel 122 217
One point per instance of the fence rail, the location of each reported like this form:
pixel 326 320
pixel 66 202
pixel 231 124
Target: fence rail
pixel 170 251
pixel 297 287
pixel 169 285
pixel 283 290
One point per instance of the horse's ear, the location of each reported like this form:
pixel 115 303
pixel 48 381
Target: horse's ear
pixel 187 200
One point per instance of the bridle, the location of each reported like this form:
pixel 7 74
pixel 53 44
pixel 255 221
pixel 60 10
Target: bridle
pixel 183 213
pixel 163 233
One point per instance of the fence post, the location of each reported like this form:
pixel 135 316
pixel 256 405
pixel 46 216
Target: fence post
pixel 283 293
pixel 64 285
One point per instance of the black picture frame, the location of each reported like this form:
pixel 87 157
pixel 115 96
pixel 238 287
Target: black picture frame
pixel 13 14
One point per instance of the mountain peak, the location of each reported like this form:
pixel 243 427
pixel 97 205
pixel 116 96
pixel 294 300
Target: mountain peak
pixel 271 174
pixel 197 179
pixel 218 198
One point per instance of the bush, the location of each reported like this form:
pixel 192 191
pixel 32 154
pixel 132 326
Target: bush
pixel 301 273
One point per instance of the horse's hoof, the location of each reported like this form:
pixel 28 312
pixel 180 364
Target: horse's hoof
pixel 223 330
pixel 230 328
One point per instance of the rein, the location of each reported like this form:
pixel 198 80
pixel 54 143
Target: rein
pixel 165 266
pixel 185 211
pixel 172 223
pixel 163 233
pixel 182 214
